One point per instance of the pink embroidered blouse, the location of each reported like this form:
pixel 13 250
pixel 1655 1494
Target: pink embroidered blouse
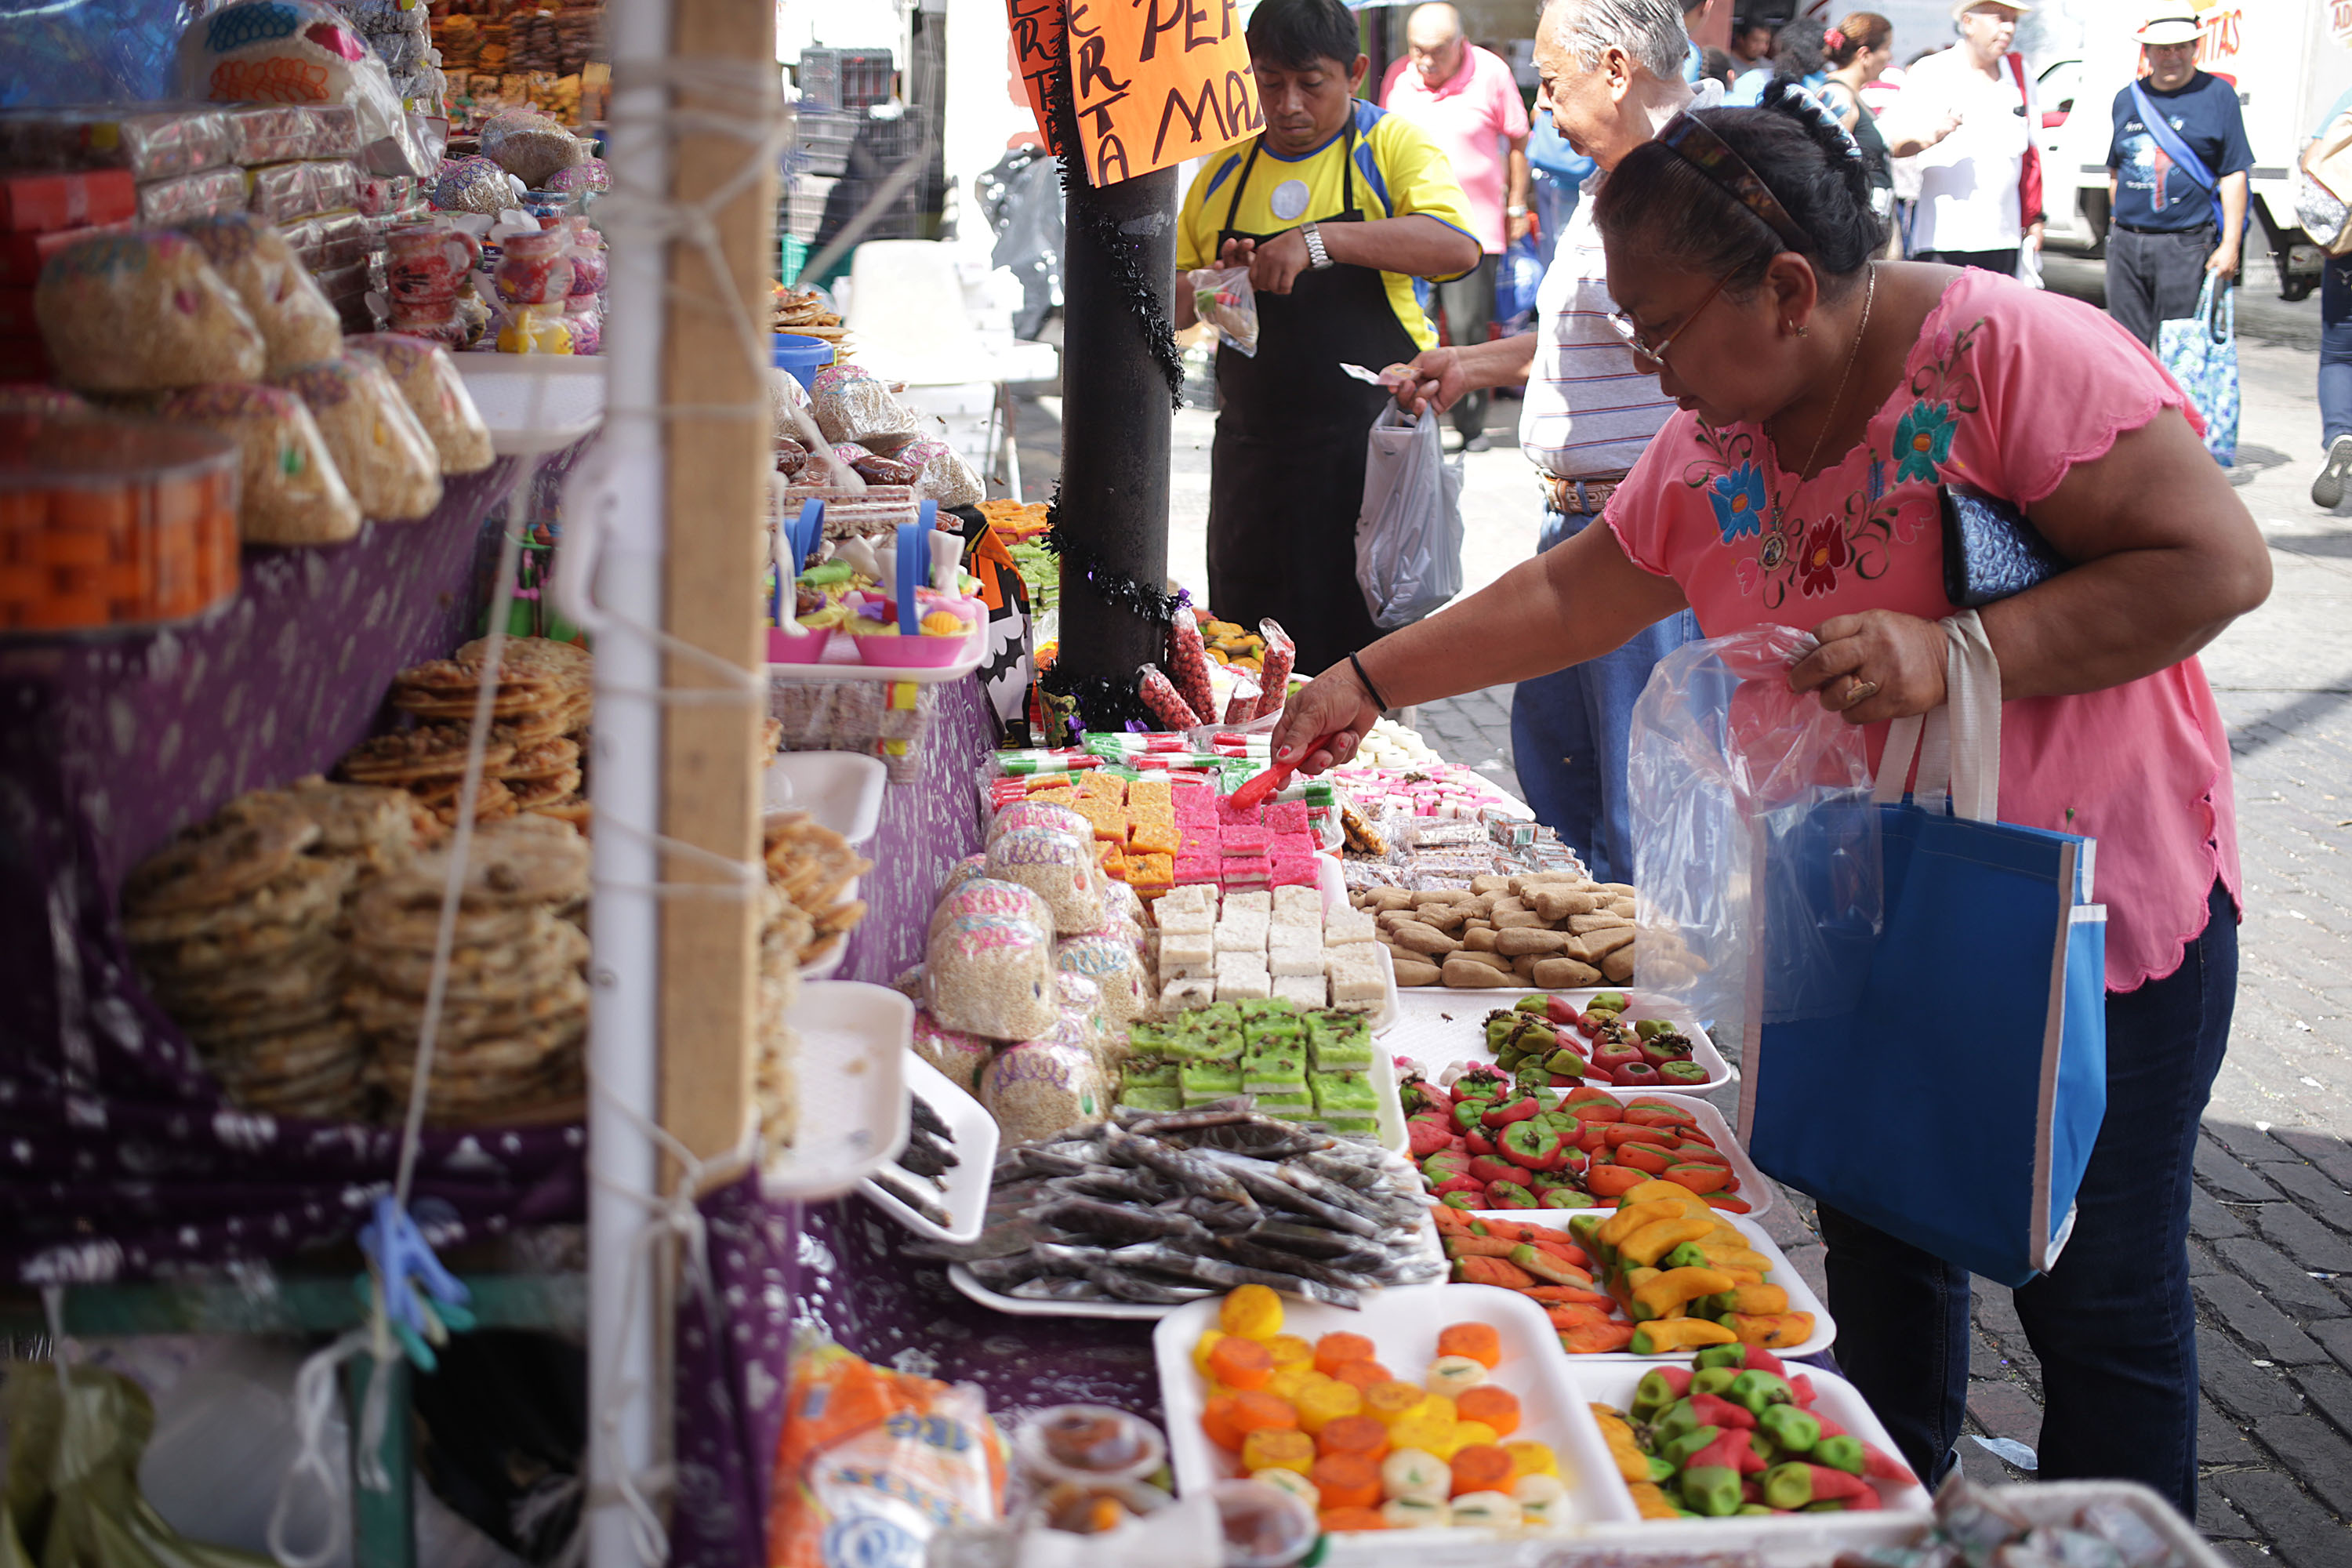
pixel 2007 389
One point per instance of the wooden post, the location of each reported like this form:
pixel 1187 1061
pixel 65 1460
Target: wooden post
pixel 717 507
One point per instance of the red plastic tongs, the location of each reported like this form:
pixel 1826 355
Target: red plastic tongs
pixel 1273 778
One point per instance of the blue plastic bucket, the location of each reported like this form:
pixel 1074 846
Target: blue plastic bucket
pixel 802 356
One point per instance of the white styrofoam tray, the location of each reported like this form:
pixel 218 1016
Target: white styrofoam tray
pixel 1782 1273
pixel 850 1083
pixel 535 402
pixel 1403 1325
pixel 840 790
pixel 974 1140
pixel 1437 1025
pixel 1133 1312
pixel 1754 1185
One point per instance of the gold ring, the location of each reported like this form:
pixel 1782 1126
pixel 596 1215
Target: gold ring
pixel 1861 692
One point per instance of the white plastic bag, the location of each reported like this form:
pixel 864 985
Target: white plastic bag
pixel 1728 770
pixel 1409 535
pixel 1223 298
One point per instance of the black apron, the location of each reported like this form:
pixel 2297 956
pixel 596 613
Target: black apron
pixel 1287 475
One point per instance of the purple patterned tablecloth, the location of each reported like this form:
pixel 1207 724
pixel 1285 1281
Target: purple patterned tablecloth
pixel 118 1157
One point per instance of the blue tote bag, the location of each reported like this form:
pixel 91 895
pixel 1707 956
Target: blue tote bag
pixel 1950 1093
pixel 2201 352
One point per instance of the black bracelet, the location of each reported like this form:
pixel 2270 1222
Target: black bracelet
pixel 1370 690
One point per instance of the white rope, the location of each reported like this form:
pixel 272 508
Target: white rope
pixel 314 1404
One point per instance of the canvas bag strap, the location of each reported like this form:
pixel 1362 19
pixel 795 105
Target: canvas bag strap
pixel 1957 745
pixel 2179 152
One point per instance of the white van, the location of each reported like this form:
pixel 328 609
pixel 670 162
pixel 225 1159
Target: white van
pixel 2289 60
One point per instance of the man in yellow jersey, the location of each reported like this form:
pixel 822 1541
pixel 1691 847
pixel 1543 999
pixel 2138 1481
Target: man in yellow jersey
pixel 1338 210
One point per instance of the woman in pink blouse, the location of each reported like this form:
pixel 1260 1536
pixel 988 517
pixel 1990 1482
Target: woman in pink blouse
pixel 1824 397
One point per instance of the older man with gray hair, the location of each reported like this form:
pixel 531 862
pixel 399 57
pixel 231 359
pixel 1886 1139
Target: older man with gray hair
pixel 1612 76
pixel 1468 101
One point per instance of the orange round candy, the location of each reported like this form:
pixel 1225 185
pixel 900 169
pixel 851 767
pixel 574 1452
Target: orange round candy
pixel 1256 1412
pixel 1347 1480
pixel 1479 1342
pixel 1363 1374
pixel 1240 1363
pixel 1335 1519
pixel 1497 1407
pixel 1217 1421
pixel 1353 1435
pixel 1333 1351
pixel 1482 1468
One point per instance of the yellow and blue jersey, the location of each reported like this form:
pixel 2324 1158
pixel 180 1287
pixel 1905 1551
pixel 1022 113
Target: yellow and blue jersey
pixel 1399 171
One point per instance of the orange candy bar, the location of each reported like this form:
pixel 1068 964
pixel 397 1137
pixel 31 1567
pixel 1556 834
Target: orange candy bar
pixel 1347 1480
pixel 1354 1434
pixel 1363 1374
pixel 1479 1342
pixel 1258 1412
pixel 1332 1350
pixel 1482 1468
pixel 1217 1422
pixel 1240 1363
pixel 1154 839
pixel 1497 1407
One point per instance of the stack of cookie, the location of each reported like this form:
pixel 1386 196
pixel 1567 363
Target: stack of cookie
pixel 531 761
pixel 784 931
pixel 812 866
pixel 515 1009
pixel 235 928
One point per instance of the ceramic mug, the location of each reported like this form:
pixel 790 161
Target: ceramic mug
pixel 428 263
pixel 534 268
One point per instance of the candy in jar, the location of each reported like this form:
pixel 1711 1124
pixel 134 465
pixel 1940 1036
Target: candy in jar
pixel 1281 655
pixel 1166 703
pixel 1187 662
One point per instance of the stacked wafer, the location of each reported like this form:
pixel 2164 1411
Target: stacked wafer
pixel 532 761
pixel 785 930
pixel 812 866
pixel 237 929
pixel 514 1009
pixel 802 311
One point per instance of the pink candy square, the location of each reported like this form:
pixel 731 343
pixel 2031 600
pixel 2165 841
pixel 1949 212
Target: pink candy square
pixel 1238 869
pixel 1198 868
pixel 1289 872
pixel 1253 817
pixel 1245 841
pixel 1291 844
pixel 1189 806
pixel 1287 816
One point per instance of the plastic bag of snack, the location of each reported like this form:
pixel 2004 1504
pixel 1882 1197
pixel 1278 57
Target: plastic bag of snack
pixel 1274 678
pixel 1111 961
pixel 429 383
pixel 291 493
pixel 1042 814
pixel 270 50
pixel 1167 704
pixel 143 312
pixel 992 976
pixel 1187 662
pixel 872 1463
pixel 1223 297
pixel 297 326
pixel 530 146
pixel 955 1053
pixel 1060 866
pixel 941 474
pixel 988 896
pixel 475 185
pixel 852 407
pixel 384 454
pixel 1241 707
pixel 1039 1088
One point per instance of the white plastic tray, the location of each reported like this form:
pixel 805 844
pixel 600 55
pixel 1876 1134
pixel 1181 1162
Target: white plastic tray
pixel 840 790
pixel 975 1135
pixel 1613 1384
pixel 535 402
pixel 1403 1325
pixel 851 1080
pixel 1437 1025
pixel 841 663
pixel 1782 1273
pixel 1754 1185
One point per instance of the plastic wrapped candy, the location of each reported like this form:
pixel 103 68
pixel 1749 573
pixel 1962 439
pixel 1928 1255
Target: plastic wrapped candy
pixel 987 896
pixel 1167 704
pixel 941 474
pixel 285 192
pixel 1038 813
pixel 530 146
pixel 876 469
pixel 291 491
pixel 1111 961
pixel 156 143
pixel 143 312
pixel 588 177
pixel 295 51
pixel 992 976
pixel 167 203
pixel 1058 865
pixel 962 871
pixel 297 326
pixel 429 383
pixel 1043 1087
pixel 383 453
pixel 1187 662
pixel 955 1053
pixel 854 407
pixel 473 185
pixel 1281 657
pixel 1241 707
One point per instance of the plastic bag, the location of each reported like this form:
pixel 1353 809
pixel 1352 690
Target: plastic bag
pixel 1409 535
pixel 873 1463
pixel 1223 297
pixel 1726 764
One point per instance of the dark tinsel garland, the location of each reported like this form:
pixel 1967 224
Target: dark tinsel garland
pixel 1103 704
pixel 1117 588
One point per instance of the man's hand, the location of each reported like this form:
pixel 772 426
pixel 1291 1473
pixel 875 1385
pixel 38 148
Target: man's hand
pixel 2033 239
pixel 1516 225
pixel 1431 379
pixel 1276 263
pixel 2223 263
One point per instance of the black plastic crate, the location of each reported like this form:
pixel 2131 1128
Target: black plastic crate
pixel 844 79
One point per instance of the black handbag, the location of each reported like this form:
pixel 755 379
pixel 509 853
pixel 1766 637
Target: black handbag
pixel 1991 550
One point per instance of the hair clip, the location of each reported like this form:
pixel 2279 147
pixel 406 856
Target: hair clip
pixel 1833 41
pixel 1798 99
pixel 1688 137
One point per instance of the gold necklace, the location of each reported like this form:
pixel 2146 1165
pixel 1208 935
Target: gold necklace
pixel 1854 351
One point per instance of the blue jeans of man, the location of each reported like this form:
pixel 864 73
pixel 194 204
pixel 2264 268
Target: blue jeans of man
pixel 2112 1324
pixel 1568 734
pixel 2335 350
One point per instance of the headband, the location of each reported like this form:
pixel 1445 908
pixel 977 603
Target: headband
pixel 1688 138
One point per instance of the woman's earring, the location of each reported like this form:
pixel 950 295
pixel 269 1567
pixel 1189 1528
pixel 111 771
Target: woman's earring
pixel 1801 332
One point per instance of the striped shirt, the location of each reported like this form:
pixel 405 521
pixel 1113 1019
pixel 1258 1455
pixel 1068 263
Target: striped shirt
pixel 1587 411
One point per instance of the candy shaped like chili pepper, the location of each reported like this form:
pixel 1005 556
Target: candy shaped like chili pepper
pixel 1796 1484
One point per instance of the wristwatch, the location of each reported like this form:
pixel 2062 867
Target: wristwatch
pixel 1317 258
pixel 1515 211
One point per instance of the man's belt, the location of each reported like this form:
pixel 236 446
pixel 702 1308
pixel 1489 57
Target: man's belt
pixel 1583 496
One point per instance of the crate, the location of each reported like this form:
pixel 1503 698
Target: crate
pixel 844 78
pixel 805 203
pixel 901 219
pixel 791 255
pixel 821 141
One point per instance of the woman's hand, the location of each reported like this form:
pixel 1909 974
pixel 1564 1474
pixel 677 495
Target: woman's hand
pixel 1432 379
pixel 1877 665
pixel 1332 704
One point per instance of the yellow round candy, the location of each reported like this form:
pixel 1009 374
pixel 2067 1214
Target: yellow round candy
pixel 1443 1405
pixel 1252 1312
pixel 1288 1381
pixel 1288 1349
pixel 1323 1399
pixel 1531 1459
pixel 1207 1343
pixel 1428 1429
pixel 1278 1449
pixel 1463 1435
pixel 1388 1403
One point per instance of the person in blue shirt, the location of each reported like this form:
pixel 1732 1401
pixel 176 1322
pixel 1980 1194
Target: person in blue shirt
pixel 2334 360
pixel 2172 228
pixel 1693 58
pixel 1556 176
pixel 1797 51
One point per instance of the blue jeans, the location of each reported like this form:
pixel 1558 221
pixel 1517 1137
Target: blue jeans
pixel 2113 1323
pixel 1568 734
pixel 2335 349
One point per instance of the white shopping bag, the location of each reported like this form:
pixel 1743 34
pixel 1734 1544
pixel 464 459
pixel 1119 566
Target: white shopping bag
pixel 1409 535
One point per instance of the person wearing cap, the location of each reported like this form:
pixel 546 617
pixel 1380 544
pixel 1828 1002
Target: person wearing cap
pixel 2177 218
pixel 1979 202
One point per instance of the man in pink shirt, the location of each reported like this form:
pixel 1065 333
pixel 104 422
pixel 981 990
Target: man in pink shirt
pixel 1465 99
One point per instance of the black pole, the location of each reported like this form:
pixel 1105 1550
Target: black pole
pixel 1114 422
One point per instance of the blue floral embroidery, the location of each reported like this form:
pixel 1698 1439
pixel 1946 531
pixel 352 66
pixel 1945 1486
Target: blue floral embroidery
pixel 1923 440
pixel 1737 498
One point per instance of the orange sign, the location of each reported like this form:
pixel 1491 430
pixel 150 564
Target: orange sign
pixel 1037 54
pixel 1158 81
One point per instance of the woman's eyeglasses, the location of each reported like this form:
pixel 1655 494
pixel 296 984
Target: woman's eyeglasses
pixel 1654 359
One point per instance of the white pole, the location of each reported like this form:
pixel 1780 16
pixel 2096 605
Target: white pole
pixel 626 1362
